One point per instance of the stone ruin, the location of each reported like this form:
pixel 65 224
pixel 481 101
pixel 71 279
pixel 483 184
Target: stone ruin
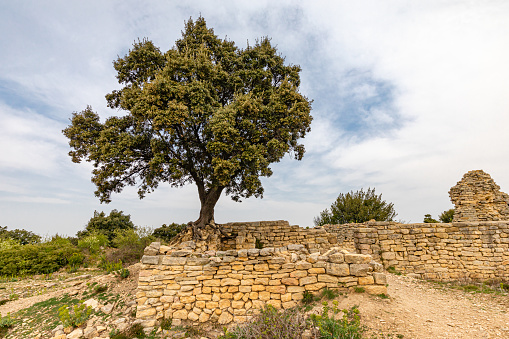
pixel 478 198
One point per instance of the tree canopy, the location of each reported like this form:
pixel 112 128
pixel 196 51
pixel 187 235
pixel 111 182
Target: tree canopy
pixel 357 207
pixel 107 225
pixel 205 112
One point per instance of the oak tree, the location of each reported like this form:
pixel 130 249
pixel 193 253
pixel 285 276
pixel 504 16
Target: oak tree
pixel 205 112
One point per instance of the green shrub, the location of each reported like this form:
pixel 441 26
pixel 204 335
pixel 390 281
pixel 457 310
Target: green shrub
pixel 168 232
pixel 107 225
pixel 93 242
pixel 40 258
pixel 74 316
pixel 347 327
pixel 76 260
pixel 447 216
pixel 271 323
pixel 308 298
pixel 5 323
pixel 123 273
pixel 329 294
pixel 109 266
pixel 130 244
pixel 166 324
pixel 429 220
pixel 359 289
pixel 360 206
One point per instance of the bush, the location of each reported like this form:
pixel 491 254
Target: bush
pixel 107 225
pixel 23 237
pixel 167 232
pixel 356 208
pixel 429 220
pixel 93 242
pixel 347 327
pixel 130 244
pixel 41 258
pixel 447 216
pixel 271 323
pixel 5 323
pixel 75 316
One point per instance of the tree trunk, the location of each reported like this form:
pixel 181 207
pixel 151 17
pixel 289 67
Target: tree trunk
pixel 208 199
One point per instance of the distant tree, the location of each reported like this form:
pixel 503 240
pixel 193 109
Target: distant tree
pixel 357 207
pixel 23 237
pixel 447 216
pixel 429 220
pixel 167 232
pixel 204 112
pixel 107 225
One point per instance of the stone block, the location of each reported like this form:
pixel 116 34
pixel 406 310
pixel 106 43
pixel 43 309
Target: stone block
pixel 339 270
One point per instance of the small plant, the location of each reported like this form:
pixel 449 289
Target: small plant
pixel 308 298
pixel 348 326
pixel 100 288
pixel 258 244
pixel 271 323
pixel 75 316
pixel 383 296
pixel 135 331
pixel 123 273
pixel 109 266
pixel 392 269
pixel 5 323
pixel 75 261
pixel 329 294
pixel 13 296
pixel 359 289
pixel 166 324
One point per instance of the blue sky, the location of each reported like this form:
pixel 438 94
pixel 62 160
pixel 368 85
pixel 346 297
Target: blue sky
pixel 408 96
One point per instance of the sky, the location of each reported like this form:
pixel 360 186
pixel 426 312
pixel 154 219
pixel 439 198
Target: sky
pixel 407 97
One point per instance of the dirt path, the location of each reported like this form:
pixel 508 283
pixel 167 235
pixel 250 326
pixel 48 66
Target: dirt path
pixel 16 305
pixel 423 310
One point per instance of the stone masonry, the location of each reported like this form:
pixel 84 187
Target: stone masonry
pixel 230 286
pixel 478 198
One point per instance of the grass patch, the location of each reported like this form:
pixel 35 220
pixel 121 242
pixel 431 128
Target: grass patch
pixel 393 270
pixel 329 294
pixel 309 298
pixel 358 289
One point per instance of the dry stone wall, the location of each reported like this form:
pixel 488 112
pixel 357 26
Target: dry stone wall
pixel 476 250
pixel 229 286
pixel 277 233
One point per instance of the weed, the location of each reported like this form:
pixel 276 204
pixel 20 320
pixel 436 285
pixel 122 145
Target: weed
pixel 348 326
pixel 359 289
pixel 271 323
pixel 74 316
pixel 5 323
pixel 308 298
pixel 166 324
pixel 392 269
pixel 329 294
pixel 258 244
pixel 13 296
pixel 383 296
pixel 100 289
pixel 123 273
pixel 109 266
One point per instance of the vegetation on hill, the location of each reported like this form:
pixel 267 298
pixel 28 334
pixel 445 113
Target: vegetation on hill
pixel 357 207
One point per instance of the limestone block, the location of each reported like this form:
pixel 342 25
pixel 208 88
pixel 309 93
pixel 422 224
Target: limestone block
pixel 290 281
pixel 380 278
pixel 180 314
pixel 229 282
pixel 354 258
pixel 150 259
pixel 298 274
pixel 327 278
pixel 307 280
pixel 225 318
pixel 339 270
pixel 303 265
pixel 146 313
pixel 359 270
pixel 366 280
pixel 315 287
pixel 281 289
pixel 375 289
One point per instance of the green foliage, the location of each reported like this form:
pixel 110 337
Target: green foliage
pixel 100 288
pixel 122 273
pixel 130 244
pixel 93 242
pixel 5 323
pixel 329 294
pixel 258 244
pixel 429 220
pixel 22 237
pixel 308 298
pixel 74 316
pixel 359 289
pixel 347 327
pixel 40 258
pixel 356 208
pixel 447 216
pixel 166 323
pixel 76 260
pixel 109 266
pixel 135 331
pixel 167 232
pixel 107 225
pixel 392 269
pixel 205 111
pixel 271 323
